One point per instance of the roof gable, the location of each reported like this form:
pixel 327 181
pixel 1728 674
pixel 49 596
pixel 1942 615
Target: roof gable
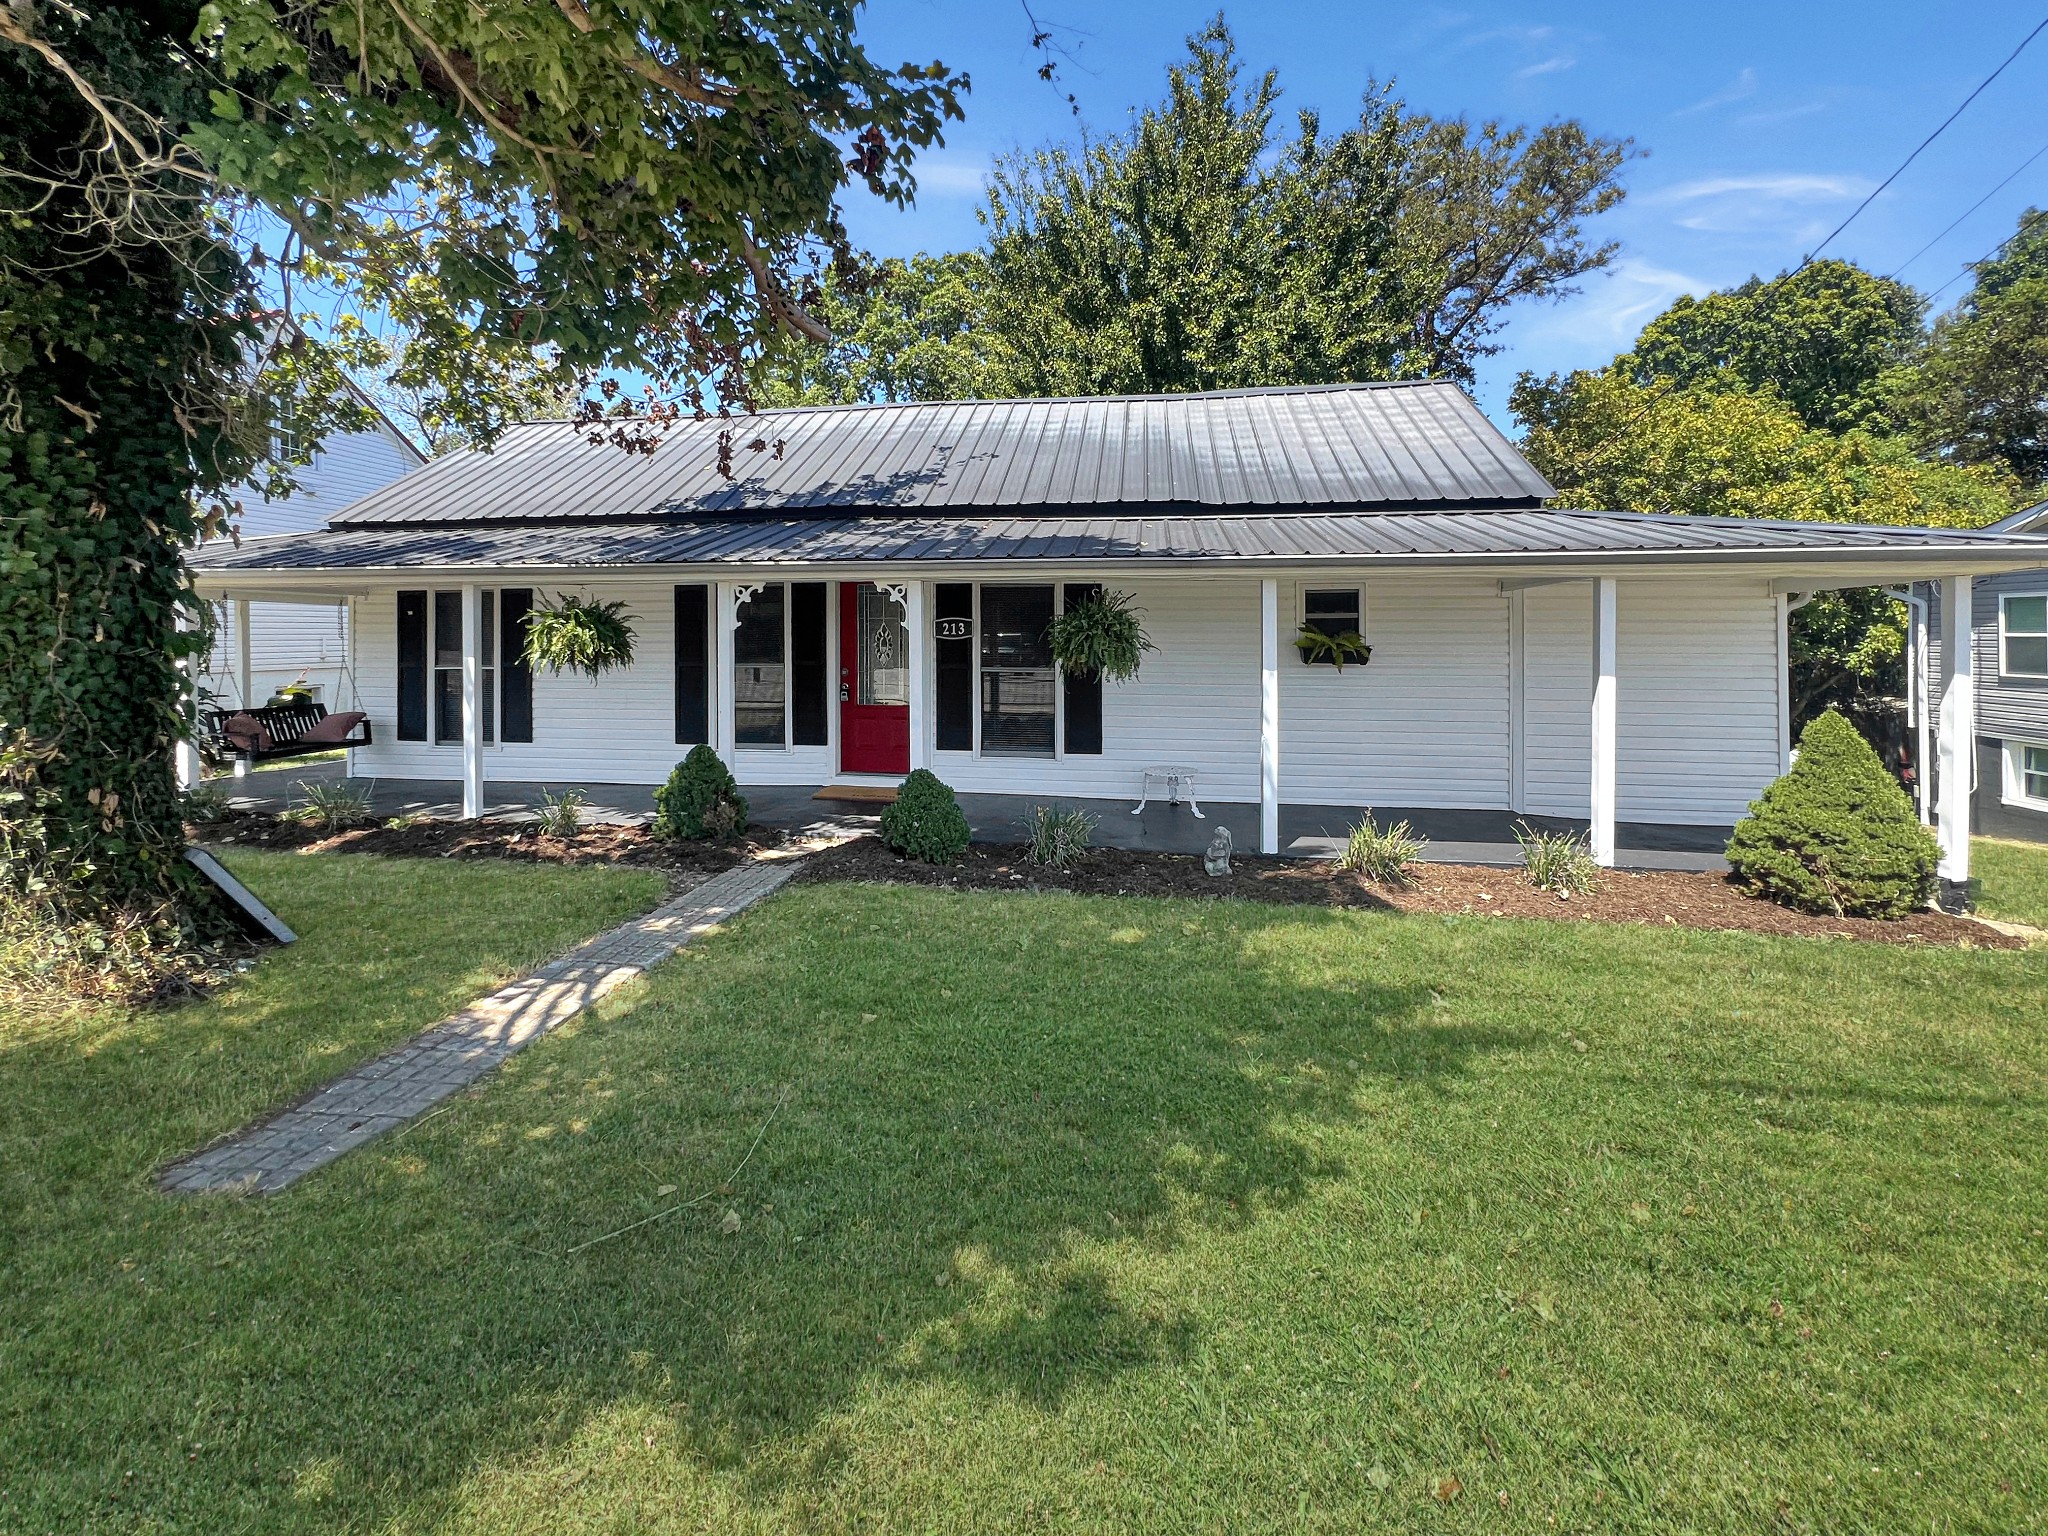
pixel 1401 446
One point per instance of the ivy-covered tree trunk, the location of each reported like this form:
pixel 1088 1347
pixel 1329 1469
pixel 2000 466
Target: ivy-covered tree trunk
pixel 112 348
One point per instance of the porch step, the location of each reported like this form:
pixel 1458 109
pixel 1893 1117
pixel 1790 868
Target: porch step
pixel 859 794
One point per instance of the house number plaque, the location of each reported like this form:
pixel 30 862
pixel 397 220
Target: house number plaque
pixel 953 629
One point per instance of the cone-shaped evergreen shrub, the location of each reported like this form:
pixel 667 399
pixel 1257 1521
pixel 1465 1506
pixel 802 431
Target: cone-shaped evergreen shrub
pixel 1837 834
pixel 700 799
pixel 925 821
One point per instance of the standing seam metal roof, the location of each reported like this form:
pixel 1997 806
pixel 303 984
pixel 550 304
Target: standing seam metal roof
pixel 1357 446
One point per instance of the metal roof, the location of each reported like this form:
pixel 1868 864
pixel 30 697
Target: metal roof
pixel 1390 446
pixel 1530 535
pixel 2027 520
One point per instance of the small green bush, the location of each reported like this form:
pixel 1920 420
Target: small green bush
pixel 1055 837
pixel 1837 834
pixel 1382 854
pixel 205 804
pixel 700 800
pixel 561 815
pixel 1557 862
pixel 925 821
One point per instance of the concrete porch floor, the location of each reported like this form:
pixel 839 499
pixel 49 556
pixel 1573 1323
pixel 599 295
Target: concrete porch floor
pixel 1455 837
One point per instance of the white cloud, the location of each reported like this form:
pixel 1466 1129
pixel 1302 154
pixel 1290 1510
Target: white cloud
pixel 1631 294
pixel 1788 187
pixel 1779 115
pixel 1778 203
pixel 942 176
pixel 1744 86
pixel 1549 66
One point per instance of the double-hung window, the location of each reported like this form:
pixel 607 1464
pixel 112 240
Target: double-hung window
pixel 760 682
pixel 1333 611
pixel 2023 635
pixel 1019 686
pixel 430 665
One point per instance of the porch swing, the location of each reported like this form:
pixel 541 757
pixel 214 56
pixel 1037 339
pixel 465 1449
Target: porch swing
pixel 271 732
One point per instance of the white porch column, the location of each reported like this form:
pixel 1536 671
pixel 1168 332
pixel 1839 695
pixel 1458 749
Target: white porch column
pixel 472 703
pixel 726 619
pixel 1958 743
pixel 918 629
pixel 1606 650
pixel 1269 716
pixel 245 685
pixel 185 761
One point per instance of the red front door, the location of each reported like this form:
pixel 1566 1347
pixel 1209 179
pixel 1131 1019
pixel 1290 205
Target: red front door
pixel 874 681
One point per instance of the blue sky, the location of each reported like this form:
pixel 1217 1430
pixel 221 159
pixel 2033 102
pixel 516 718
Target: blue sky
pixel 1764 123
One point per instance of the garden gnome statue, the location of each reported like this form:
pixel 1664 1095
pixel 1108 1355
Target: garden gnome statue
pixel 1217 860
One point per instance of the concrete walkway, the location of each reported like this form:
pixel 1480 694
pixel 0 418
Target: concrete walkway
pixel 405 1083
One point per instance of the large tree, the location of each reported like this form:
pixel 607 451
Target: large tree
pixel 1605 441
pixel 1820 338
pixel 1205 248
pixel 632 183
pixel 1981 397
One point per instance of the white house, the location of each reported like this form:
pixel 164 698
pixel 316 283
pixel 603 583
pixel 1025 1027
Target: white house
pixel 258 651
pixel 863 590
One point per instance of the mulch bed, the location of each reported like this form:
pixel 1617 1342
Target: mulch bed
pixel 1663 898
pixel 489 840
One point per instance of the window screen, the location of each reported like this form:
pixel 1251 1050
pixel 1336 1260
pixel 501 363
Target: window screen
pixel 1017 679
pixel 2026 637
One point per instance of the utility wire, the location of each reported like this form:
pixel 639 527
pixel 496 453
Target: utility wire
pixel 1930 245
pixel 1969 267
pixel 1808 258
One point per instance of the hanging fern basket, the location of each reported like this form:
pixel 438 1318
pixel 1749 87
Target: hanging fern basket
pixel 1101 636
pixel 577 634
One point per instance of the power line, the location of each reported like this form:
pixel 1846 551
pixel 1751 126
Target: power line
pixel 1930 245
pixel 1971 266
pixel 1808 258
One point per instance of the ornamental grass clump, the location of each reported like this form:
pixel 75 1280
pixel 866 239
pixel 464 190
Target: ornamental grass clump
pixel 560 815
pixel 1836 834
pixel 1557 862
pixel 1382 855
pixel 333 805
pixel 579 634
pixel 1101 636
pixel 925 822
pixel 701 800
pixel 1056 837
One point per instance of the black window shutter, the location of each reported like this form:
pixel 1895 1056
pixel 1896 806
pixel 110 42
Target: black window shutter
pixel 515 676
pixel 693 664
pixel 953 609
pixel 1084 694
pixel 412 666
pixel 807 706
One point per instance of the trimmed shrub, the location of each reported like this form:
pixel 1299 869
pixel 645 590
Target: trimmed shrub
pixel 700 800
pixel 1837 834
pixel 925 822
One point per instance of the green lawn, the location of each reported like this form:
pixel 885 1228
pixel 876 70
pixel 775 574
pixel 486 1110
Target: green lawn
pixel 2012 880
pixel 1050 1213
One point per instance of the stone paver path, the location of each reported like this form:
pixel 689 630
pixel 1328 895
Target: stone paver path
pixel 399 1086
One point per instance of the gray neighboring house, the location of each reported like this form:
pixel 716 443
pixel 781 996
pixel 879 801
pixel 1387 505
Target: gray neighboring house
pixel 2009 660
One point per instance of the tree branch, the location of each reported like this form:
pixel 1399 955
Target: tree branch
pixel 779 304
pixel 652 69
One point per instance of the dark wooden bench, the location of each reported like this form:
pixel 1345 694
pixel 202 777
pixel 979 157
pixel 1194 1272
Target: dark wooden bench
pixel 286 725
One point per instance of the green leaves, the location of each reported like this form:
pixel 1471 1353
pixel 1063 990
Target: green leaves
pixel 577 634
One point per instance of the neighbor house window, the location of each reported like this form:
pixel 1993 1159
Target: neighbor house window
pixel 1019 687
pixel 759 673
pixel 2026 774
pixel 1333 611
pixel 2023 633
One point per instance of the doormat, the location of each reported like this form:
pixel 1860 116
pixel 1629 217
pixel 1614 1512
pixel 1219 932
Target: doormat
pixel 859 794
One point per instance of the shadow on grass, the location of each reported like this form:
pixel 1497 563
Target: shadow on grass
pixel 987 1125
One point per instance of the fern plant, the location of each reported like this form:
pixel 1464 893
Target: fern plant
pixel 1101 636
pixel 1316 646
pixel 579 634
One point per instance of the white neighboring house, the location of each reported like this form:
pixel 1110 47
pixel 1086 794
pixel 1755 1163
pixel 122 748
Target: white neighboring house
pixel 292 641
pixel 838 595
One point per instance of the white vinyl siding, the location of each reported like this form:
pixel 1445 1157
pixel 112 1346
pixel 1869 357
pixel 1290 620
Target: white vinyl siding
pixel 1557 700
pixel 1424 723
